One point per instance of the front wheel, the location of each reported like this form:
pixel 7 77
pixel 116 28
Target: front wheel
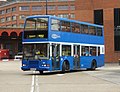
pixel 63 67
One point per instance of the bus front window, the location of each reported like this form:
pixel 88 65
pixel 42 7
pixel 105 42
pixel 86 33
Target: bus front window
pixel 36 51
pixel 36 28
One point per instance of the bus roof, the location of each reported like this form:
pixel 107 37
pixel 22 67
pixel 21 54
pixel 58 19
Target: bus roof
pixel 55 17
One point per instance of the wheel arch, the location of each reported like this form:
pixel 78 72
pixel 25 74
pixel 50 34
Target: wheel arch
pixel 66 61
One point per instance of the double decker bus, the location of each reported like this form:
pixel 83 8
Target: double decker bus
pixel 51 44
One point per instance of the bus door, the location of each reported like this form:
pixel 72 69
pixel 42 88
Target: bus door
pixel 55 56
pixel 76 60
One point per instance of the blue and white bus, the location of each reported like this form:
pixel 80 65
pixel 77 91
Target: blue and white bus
pixel 51 44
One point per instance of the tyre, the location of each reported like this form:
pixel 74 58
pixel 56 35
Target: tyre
pixel 41 72
pixel 63 67
pixel 93 65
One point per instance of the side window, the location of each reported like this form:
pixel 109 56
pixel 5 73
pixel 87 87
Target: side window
pixel 99 31
pixel 66 50
pixel 65 26
pixel 42 24
pixel 84 29
pixel 92 30
pixel 76 50
pixel 55 25
pixel 75 27
pixel 98 51
pixel 85 51
pixel 93 51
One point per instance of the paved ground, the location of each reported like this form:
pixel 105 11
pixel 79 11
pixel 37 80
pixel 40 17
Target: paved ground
pixel 13 79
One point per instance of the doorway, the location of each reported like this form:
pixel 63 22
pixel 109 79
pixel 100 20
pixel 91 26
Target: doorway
pixel 56 56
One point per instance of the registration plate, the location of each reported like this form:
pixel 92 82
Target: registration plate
pixel 32 69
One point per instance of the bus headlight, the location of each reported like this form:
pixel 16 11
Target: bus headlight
pixel 23 64
pixel 46 65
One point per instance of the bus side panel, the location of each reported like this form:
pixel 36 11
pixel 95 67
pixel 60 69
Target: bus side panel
pixel 83 38
pixel 100 60
pixel 86 61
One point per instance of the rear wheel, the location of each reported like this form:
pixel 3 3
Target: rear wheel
pixel 41 72
pixel 93 65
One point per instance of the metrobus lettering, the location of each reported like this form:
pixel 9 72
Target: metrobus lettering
pixel 55 36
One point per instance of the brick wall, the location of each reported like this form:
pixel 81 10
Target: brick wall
pixel 84 12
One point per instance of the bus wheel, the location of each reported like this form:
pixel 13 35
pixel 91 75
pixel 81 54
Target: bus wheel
pixel 41 72
pixel 63 67
pixel 93 65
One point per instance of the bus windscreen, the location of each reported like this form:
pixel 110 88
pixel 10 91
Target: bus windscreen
pixel 37 27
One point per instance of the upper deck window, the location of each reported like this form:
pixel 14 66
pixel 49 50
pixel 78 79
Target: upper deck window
pixel 84 29
pixel 99 31
pixel 92 30
pixel 76 27
pixel 55 25
pixel 65 26
pixel 37 27
pixel 36 24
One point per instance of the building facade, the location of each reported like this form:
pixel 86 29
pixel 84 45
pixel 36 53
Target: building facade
pixel 106 13
pixel 102 12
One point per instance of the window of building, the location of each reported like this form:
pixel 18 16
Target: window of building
pixel 63 7
pixel 2 20
pixel 13 9
pixel 72 15
pixel 37 8
pixel 51 0
pixel 98 17
pixel 8 25
pixel 22 16
pixel 51 7
pixel 21 25
pixel 72 7
pixel 62 0
pixel 8 19
pixel 117 19
pixel 14 17
pixel 13 25
pixel 24 8
pixel 8 10
pixel 2 12
pixel 117 29
pixel 63 15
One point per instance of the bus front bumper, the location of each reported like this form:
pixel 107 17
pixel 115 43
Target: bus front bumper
pixel 27 68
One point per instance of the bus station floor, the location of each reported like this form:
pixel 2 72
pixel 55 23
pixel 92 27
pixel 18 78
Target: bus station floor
pixel 103 79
